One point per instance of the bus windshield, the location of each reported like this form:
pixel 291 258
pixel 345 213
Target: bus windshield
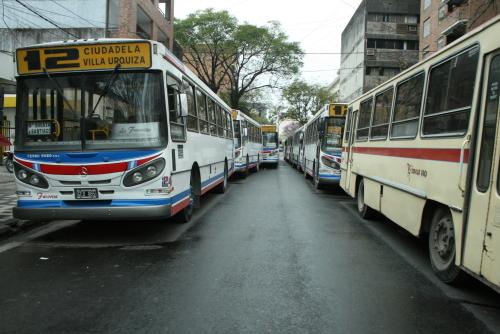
pixel 332 140
pixel 91 111
pixel 270 139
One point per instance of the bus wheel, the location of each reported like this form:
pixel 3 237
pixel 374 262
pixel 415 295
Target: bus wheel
pixel 257 167
pixel 221 188
pixel 247 168
pixel 364 210
pixel 316 183
pixel 194 199
pixel 442 249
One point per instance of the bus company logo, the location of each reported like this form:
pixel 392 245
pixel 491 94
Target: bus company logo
pixel 46 196
pixel 415 171
pixel 84 171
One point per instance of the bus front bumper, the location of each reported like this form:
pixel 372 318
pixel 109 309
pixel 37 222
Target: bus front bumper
pixel 149 212
pixel 329 179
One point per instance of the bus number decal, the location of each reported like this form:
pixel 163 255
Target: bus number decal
pixel 56 61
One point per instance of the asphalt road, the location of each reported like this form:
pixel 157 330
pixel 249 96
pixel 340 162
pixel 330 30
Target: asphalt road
pixel 272 255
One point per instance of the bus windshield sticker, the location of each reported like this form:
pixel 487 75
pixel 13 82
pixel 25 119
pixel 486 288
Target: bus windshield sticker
pixel 42 128
pixel 136 130
pixel 68 58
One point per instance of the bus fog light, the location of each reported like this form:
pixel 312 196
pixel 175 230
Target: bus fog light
pixel 22 174
pixel 34 180
pixel 137 177
pixel 23 193
pixel 151 171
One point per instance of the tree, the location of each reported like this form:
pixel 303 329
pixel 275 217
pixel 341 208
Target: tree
pixel 304 99
pixel 206 38
pixel 240 58
pixel 288 129
pixel 263 57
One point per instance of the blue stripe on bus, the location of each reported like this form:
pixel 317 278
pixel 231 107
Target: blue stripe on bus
pixel 211 180
pixel 328 176
pixel 86 157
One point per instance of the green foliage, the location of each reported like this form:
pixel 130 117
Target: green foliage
pixel 303 100
pixel 206 39
pixel 241 58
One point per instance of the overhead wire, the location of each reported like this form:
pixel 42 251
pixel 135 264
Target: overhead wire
pixel 47 19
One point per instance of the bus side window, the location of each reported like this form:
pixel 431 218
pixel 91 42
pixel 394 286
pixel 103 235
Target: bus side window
pixel 192 121
pixel 449 95
pixel 365 112
pixel 177 126
pixel 407 107
pixel 201 104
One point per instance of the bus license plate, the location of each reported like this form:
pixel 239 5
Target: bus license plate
pixel 86 193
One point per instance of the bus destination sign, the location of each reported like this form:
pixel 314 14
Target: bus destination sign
pixel 99 56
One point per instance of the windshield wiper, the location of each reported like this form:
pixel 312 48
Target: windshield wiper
pixel 59 90
pixel 110 82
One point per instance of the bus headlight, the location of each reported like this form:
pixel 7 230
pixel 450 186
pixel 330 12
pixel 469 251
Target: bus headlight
pixel 30 177
pixel 144 173
pixel 330 163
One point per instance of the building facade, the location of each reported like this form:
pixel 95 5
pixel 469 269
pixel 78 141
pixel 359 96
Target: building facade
pixel 443 21
pixel 380 40
pixel 40 21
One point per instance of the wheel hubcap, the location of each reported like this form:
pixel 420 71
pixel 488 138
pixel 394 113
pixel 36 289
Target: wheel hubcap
pixel 444 239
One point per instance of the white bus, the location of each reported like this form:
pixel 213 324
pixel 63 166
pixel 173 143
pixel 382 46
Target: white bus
pixel 423 149
pixel 247 143
pixel 323 144
pixel 115 129
pixel 270 146
pixel 296 151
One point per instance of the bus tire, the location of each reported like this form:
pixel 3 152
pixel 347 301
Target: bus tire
pixel 247 168
pixel 316 182
pixel 257 167
pixel 364 210
pixel 221 188
pixel 186 214
pixel 442 250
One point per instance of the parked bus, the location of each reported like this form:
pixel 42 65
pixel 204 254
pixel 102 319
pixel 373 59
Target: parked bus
pixel 247 143
pixel 297 148
pixel 423 149
pixel 323 144
pixel 270 143
pixel 115 129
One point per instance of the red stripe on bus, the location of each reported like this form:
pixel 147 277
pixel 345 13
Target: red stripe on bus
pixel 438 154
pixel 25 163
pixel 90 169
pixel 143 161
pixel 211 186
pixel 179 206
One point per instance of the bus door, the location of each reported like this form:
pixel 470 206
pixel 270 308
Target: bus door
pixel 353 116
pixel 481 253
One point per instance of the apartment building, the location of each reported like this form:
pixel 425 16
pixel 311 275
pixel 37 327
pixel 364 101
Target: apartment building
pixel 443 21
pixel 380 40
pixel 39 21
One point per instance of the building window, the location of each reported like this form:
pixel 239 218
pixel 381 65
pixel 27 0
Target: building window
pixel 410 19
pixel 425 52
pixel 427 3
pixel 144 24
pixel 427 27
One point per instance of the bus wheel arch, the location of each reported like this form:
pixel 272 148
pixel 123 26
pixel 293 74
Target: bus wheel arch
pixel 442 246
pixel 364 210
pixel 196 184
pixel 221 187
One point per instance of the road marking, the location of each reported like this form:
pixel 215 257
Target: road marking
pixel 36 233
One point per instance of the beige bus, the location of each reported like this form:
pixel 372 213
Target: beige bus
pixel 423 149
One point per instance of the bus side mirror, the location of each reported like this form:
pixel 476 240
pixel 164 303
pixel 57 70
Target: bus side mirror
pixel 183 104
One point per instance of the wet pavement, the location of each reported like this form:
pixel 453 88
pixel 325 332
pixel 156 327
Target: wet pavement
pixel 271 255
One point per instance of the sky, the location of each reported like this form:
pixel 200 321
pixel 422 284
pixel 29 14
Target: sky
pixel 316 24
